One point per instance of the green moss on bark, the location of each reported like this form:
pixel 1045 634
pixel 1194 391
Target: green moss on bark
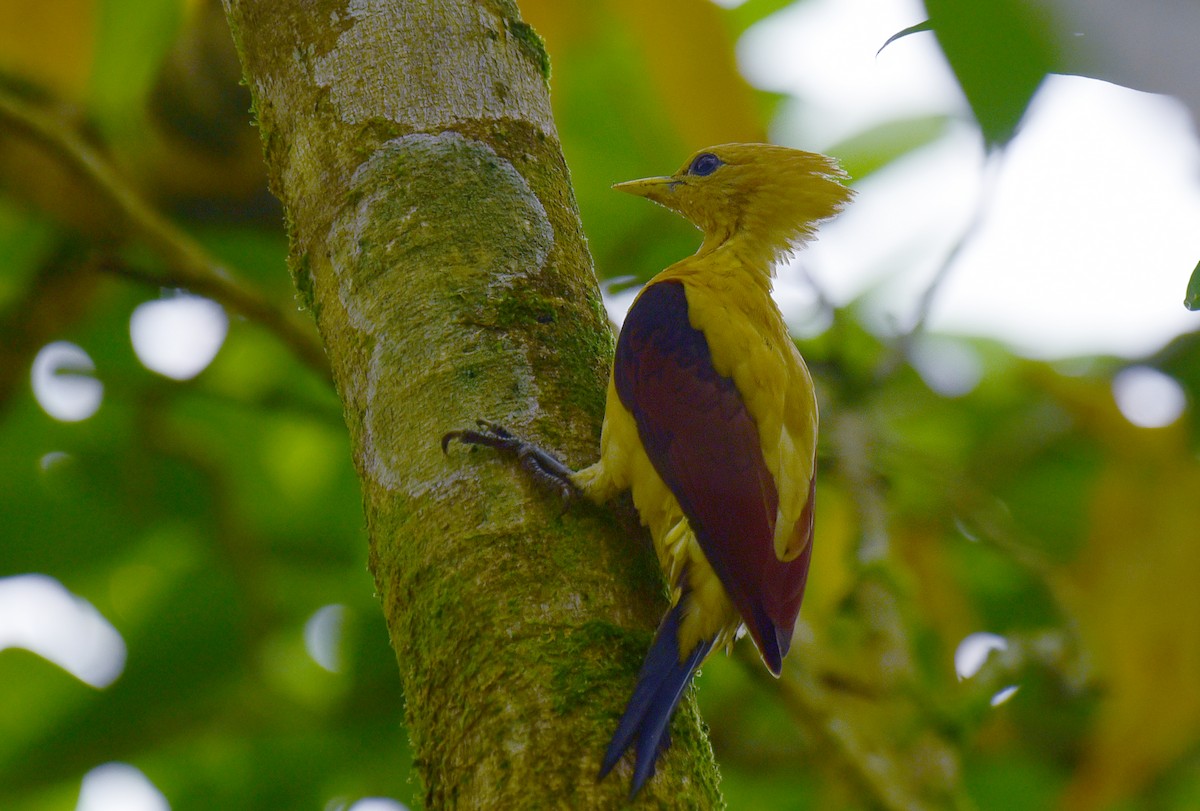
pixel 533 45
pixel 303 281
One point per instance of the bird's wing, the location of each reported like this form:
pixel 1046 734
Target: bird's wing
pixel 704 444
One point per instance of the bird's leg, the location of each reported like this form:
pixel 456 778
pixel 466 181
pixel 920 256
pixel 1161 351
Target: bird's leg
pixel 542 466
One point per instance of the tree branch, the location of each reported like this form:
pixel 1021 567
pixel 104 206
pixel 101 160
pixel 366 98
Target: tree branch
pixel 188 265
pixel 880 770
pixel 902 347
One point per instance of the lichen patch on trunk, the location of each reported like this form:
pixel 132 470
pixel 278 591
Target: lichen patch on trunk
pixel 451 54
pixel 458 218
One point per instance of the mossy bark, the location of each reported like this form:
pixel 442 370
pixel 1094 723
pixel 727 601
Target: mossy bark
pixel 435 238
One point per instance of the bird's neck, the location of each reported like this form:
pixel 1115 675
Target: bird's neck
pixel 738 253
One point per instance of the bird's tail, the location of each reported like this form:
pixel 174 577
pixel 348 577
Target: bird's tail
pixel 647 719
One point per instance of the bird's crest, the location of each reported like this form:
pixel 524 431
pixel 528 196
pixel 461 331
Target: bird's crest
pixel 768 198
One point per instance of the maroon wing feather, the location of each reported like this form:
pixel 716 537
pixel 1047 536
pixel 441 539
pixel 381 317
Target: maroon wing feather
pixel 705 446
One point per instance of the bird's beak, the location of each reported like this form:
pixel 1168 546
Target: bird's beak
pixel 652 188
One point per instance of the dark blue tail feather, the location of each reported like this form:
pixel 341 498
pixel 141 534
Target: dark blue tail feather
pixel 647 719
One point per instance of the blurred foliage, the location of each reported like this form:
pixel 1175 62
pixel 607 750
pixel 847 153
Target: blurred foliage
pixel 1000 51
pixel 210 520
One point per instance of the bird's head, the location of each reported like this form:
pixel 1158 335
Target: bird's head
pixel 769 197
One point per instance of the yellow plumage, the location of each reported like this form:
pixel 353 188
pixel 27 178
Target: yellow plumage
pixel 711 422
pixel 763 203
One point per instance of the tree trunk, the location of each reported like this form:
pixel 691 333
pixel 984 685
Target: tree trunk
pixel 435 238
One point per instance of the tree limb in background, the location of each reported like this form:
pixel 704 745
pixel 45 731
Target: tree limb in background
pixel 853 727
pixel 903 345
pixel 57 297
pixel 188 265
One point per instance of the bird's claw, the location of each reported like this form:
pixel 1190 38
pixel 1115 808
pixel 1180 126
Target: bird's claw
pixel 542 466
pixel 490 435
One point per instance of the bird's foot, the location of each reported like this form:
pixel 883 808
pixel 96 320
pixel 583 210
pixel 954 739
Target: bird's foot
pixel 542 466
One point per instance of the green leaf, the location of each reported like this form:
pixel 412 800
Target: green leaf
pixel 741 17
pixel 123 72
pixel 26 240
pixel 1000 52
pixel 872 149
pixel 1192 299
pixel 905 32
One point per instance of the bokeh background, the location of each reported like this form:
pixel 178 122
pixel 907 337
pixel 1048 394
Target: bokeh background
pixel 1003 612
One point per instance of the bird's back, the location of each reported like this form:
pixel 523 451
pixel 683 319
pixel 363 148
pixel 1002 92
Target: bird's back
pixel 750 344
pixel 734 446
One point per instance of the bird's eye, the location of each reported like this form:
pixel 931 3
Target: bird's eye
pixel 704 165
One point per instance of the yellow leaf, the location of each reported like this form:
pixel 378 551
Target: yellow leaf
pixel 690 61
pixel 687 60
pixel 1133 590
pixel 51 45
